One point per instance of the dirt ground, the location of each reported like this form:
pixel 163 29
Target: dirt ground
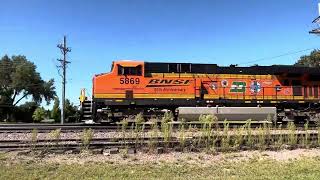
pixel 201 159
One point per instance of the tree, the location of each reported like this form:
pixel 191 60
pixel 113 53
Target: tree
pixel 19 80
pixel 70 110
pixel 39 114
pixel 56 112
pixel 312 60
pixel 25 111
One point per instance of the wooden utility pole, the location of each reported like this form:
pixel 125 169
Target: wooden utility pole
pixel 64 50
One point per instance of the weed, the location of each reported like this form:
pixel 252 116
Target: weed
pixel 166 127
pixel 124 153
pixel 318 136
pixel 225 139
pixel 139 120
pixel 249 137
pixel 280 140
pixel 261 139
pixel 86 137
pixel 124 125
pixel 154 134
pixel 55 135
pixel 306 141
pixel 266 130
pixel 182 139
pixel 207 122
pixel 34 138
pixel 238 141
pixel 292 136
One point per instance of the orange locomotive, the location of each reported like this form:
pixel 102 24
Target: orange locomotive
pixel 148 87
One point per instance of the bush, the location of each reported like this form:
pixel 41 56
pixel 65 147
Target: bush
pixel 39 114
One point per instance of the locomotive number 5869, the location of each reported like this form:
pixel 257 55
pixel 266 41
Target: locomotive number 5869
pixel 129 81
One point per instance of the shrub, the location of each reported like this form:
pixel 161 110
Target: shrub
pixel 39 114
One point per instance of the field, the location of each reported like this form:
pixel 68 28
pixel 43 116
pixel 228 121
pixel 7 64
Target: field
pixel 295 164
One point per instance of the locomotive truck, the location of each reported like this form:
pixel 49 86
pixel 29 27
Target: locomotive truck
pixel 282 92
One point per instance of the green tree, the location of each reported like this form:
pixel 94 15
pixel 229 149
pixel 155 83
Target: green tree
pixel 19 80
pixel 311 60
pixel 70 109
pixel 39 114
pixel 25 111
pixel 56 111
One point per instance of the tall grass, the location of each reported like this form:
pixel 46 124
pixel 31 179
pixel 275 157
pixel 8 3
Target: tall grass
pixel 182 138
pixel 279 141
pixel 225 139
pixel 34 139
pixel 249 139
pixel 306 138
pixel 266 129
pixel 124 125
pixel 166 128
pixel 207 121
pixel 139 120
pixel 318 136
pixel 152 143
pixel 55 136
pixel 292 136
pixel 239 137
pixel 86 137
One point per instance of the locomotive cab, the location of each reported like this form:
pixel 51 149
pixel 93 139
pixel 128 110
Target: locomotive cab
pixel 127 68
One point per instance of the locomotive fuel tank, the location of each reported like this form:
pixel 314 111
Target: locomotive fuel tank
pixel 229 113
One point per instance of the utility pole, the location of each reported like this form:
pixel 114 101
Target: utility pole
pixel 64 50
pixel 316 21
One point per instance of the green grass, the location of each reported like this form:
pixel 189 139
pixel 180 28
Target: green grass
pixel 306 168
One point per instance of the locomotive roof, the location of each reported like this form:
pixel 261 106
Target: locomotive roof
pixel 289 70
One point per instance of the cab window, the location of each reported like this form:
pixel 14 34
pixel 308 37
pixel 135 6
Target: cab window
pixel 136 71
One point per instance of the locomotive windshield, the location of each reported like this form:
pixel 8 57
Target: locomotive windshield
pixel 136 71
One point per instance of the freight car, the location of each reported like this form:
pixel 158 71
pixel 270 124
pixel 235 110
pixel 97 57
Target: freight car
pixel 290 93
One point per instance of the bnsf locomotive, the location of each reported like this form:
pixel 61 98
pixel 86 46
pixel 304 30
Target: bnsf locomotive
pixel 288 93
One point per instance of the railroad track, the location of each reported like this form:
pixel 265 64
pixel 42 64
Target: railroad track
pixel 135 142
pixel 23 128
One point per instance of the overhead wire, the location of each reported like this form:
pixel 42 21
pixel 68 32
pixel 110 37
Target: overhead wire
pixel 274 57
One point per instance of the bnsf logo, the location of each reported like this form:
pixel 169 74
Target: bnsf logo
pixel 168 82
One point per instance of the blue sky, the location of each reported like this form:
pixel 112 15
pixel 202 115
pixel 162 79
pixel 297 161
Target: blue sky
pixel 203 31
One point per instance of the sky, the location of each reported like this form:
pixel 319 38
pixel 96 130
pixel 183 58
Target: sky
pixel 221 32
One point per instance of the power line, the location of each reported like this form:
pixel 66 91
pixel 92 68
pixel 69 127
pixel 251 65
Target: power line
pixel 64 50
pixel 277 56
